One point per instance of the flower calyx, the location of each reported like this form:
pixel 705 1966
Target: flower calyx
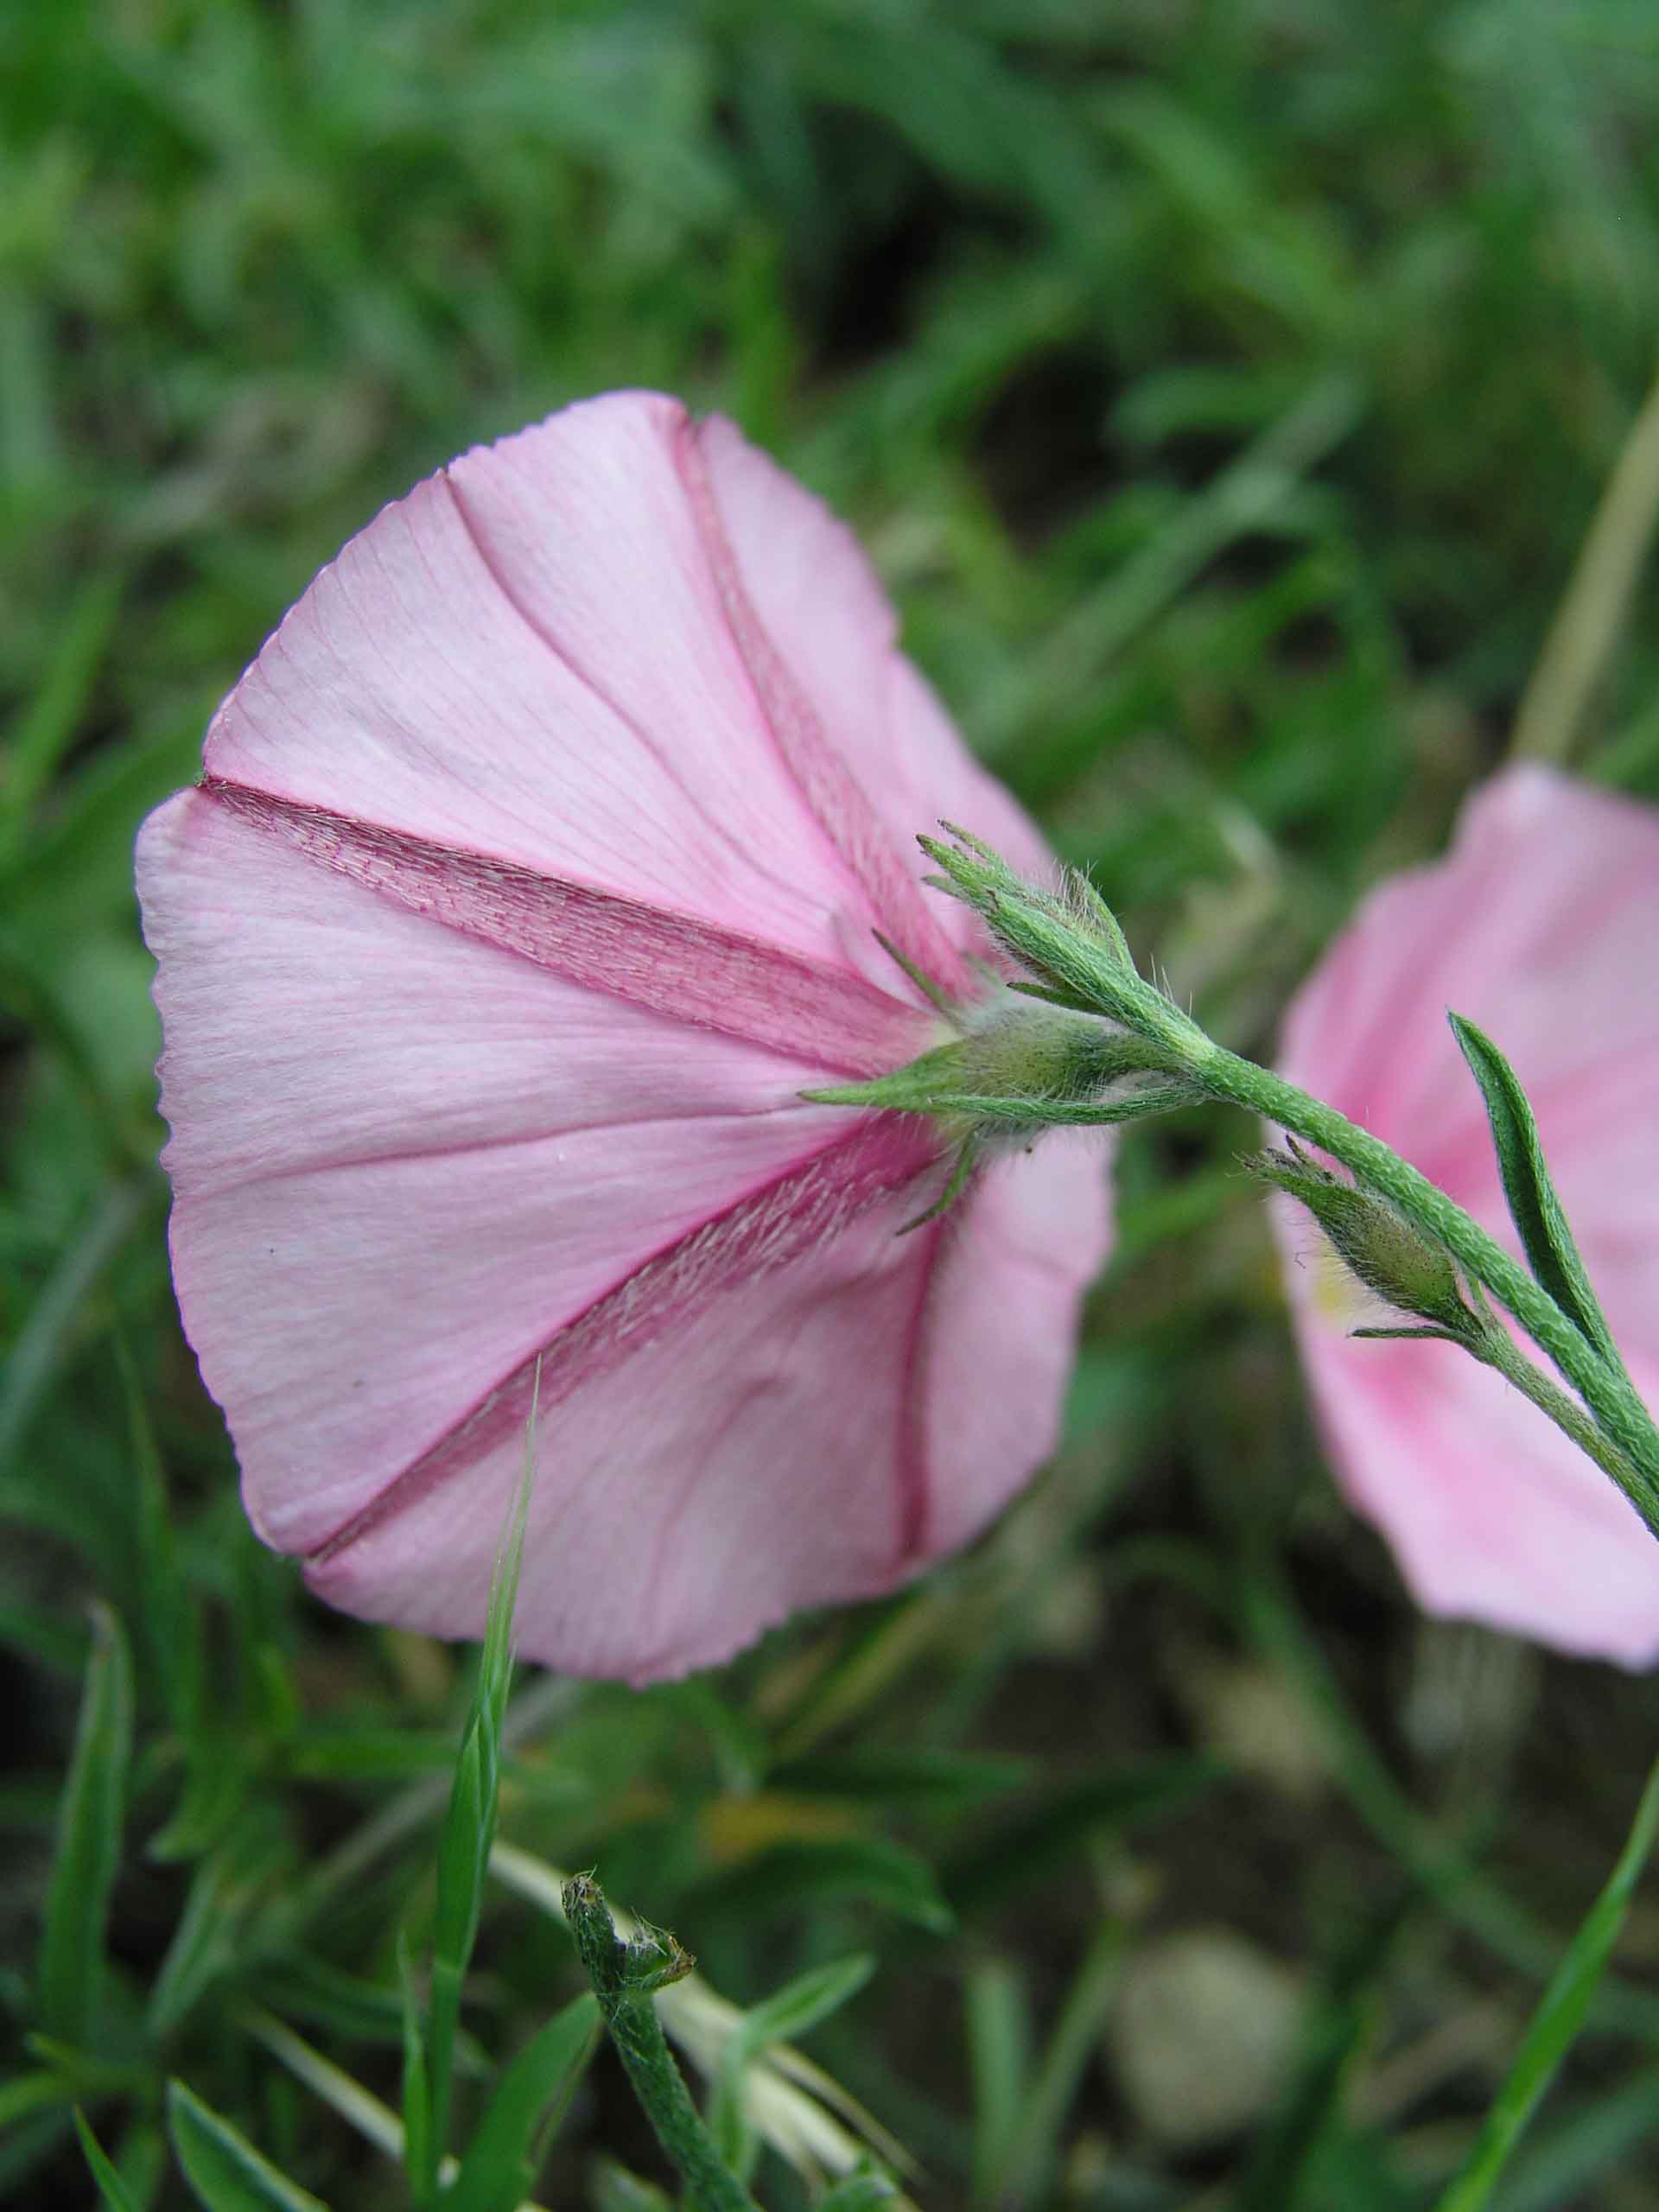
pixel 1019 1067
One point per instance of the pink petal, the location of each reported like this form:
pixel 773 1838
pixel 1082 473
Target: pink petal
pixel 531 879
pixel 814 1433
pixel 404 1160
pixel 528 658
pixel 1493 1515
pixel 1539 926
pixel 850 711
pixel 1003 1327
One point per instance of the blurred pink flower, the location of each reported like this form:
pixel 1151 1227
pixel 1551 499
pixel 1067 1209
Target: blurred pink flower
pixel 1541 924
pixel 531 877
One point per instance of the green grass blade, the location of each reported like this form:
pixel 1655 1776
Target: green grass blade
pixel 615 2189
pixel 113 2192
pixel 172 1629
pixel 790 2011
pixel 89 1841
pixel 998 2020
pixel 43 1343
pixel 225 2171
pixel 38 740
pixel 802 2002
pixel 1311 2115
pixel 500 2162
pixel 1034 2149
pixel 1534 1207
pixel 860 2193
pixel 24 2095
pixel 469 1831
pixel 1560 2016
pixel 418 2157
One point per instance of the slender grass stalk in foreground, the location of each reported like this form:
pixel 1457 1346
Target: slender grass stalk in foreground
pixel 1560 2016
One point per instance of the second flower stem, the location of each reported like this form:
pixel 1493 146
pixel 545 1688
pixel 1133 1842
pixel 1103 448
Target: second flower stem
pixel 1618 1434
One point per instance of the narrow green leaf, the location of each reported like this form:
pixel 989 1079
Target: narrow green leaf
pixel 1034 2151
pixel 1534 1207
pixel 948 1779
pixel 469 1830
pixel 349 1754
pixel 1561 2014
pixel 615 2189
pixel 998 2016
pixel 860 2192
pixel 302 1987
pixel 209 1940
pixel 43 1639
pixel 171 1627
pixel 418 2160
pixel 38 740
pixel 112 2191
pixel 1561 2165
pixel 89 1841
pixel 1022 1849
pixel 501 2161
pixel 870 1869
pixel 225 2171
pixel 22 2095
pixel 800 2005
pixel 42 1343
pixel 1289 2153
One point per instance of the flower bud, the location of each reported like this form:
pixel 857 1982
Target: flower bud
pixel 1392 1259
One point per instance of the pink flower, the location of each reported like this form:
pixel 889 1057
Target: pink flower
pixel 1541 926
pixel 531 877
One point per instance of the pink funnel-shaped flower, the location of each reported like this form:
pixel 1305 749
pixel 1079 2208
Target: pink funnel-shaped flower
pixel 1542 926
pixel 531 877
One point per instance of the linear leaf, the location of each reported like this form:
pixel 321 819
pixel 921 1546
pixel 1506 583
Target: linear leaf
pixel 113 2192
pixel 89 1839
pixel 860 2193
pixel 500 2162
pixel 1561 2014
pixel 789 2011
pixel 1534 1207
pixel 871 1869
pixel 222 2167
pixel 469 1830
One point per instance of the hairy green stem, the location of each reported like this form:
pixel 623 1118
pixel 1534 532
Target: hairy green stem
pixel 1495 1350
pixel 1626 1442
pixel 626 1978
pixel 1073 954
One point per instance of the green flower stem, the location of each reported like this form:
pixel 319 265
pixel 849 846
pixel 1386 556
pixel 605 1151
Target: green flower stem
pixel 626 1978
pixel 1073 954
pixel 1495 1348
pixel 1626 1443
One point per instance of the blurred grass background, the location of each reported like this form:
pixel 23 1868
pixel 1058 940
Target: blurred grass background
pixel 1224 392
